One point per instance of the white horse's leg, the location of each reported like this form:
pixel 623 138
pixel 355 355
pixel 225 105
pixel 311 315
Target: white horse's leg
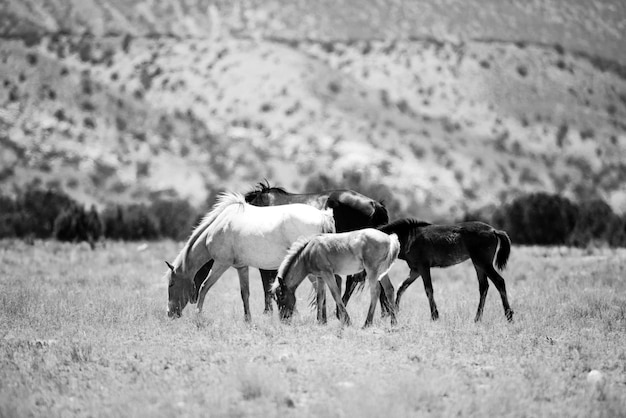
pixel 329 278
pixel 244 285
pixel 215 273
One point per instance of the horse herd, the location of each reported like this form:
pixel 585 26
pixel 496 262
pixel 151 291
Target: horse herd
pixel 290 237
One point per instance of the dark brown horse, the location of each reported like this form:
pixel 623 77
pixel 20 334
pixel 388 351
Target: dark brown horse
pixel 351 211
pixel 424 245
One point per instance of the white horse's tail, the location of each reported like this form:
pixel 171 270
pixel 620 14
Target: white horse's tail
pixel 392 254
pixel 328 222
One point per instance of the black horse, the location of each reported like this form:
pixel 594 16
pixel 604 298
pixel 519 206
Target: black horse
pixel 351 211
pixel 424 245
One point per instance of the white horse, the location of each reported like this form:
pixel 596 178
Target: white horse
pixel 237 234
pixel 325 255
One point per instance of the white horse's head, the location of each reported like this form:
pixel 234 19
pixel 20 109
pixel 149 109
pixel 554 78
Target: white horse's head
pixel 181 291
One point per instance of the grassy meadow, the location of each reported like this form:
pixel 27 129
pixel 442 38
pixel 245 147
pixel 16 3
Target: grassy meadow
pixel 84 333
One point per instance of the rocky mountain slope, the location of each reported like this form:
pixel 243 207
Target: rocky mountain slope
pixel 452 106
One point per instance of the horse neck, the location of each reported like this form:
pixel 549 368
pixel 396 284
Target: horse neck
pixel 402 231
pixel 296 274
pixel 293 269
pixel 196 257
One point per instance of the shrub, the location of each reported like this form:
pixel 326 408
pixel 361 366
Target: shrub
pixel 538 218
pixel 616 231
pixel 522 70
pixel 594 219
pixel 175 217
pixel 38 210
pixel 8 215
pixel 132 222
pixel 75 224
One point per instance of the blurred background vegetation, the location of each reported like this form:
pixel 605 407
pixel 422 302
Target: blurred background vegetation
pixel 140 111
pixel 533 219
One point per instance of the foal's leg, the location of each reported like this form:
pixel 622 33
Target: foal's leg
pixel 413 275
pixel 386 298
pixel 217 270
pixel 338 281
pixel 351 282
pixel 428 287
pixel 244 285
pixel 268 277
pixel 321 300
pixel 498 281
pixel 483 287
pixel 334 290
pixel 372 278
pixel 387 305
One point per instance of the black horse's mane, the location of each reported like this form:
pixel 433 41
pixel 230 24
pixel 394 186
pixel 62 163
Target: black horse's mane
pixel 264 187
pixel 406 229
pixel 403 223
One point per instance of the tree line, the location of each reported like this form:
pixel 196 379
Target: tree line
pixel 532 219
pixel 551 219
pixel 38 213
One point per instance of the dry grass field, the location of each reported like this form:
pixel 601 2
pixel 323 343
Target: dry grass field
pixel 84 333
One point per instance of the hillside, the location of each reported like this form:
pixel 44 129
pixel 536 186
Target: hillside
pixel 452 106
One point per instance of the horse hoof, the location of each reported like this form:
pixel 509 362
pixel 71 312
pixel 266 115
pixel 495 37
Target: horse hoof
pixel 509 316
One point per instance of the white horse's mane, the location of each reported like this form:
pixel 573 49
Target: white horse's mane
pixel 224 201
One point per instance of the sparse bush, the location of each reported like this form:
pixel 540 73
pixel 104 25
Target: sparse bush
pixel 267 107
pixel 561 134
pixel 88 122
pixel 522 70
pixel 31 58
pixel 87 106
pixel 334 87
pixel 126 41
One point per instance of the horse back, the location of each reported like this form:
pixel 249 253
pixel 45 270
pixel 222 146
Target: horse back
pixel 354 211
pixel 347 252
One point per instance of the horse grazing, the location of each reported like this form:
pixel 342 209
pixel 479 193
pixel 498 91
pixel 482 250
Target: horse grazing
pixel 425 245
pixel 237 234
pixel 327 255
pixel 351 210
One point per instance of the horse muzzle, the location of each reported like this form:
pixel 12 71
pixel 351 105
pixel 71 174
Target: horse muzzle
pixel 173 312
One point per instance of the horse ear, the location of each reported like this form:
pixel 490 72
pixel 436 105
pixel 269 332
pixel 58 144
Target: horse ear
pixel 171 267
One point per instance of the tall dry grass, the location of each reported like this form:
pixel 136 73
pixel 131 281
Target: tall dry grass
pixel 85 333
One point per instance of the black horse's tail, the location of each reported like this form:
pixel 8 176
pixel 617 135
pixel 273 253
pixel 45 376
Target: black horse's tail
pixel 504 251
